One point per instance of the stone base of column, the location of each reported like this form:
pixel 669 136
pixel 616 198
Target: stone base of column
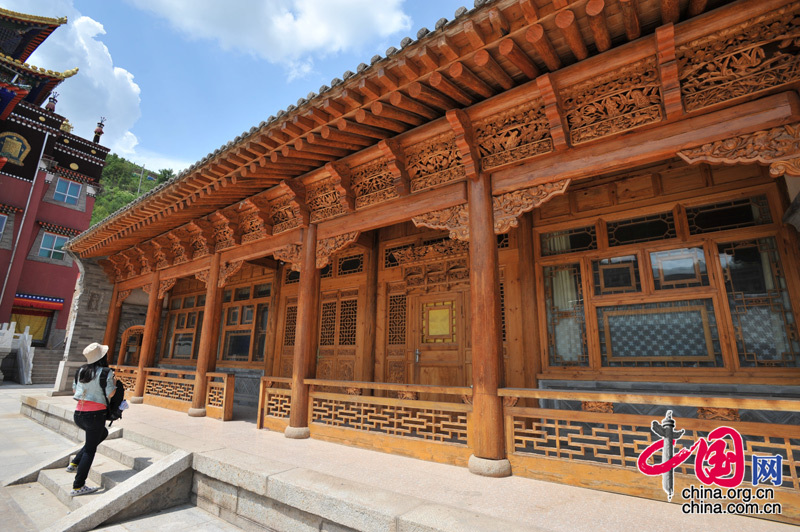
pixel 297 433
pixel 489 468
pixel 136 400
pixel 197 412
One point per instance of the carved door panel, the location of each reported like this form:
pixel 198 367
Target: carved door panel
pixel 131 345
pixel 439 346
pixel 337 338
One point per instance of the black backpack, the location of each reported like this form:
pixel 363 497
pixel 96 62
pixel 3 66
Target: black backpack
pixel 113 412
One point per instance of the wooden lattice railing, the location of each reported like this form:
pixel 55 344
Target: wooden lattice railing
pixel 128 375
pixel 578 438
pixel 219 395
pixel 274 403
pixel 404 424
pixel 169 388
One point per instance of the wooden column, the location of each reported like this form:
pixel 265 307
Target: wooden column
pixel 306 336
pixel 370 311
pixel 206 353
pixel 487 340
pixel 272 326
pixel 150 335
pixel 112 325
pixel 532 360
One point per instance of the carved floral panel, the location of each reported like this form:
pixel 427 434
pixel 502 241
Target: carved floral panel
pixel 372 183
pixel 323 200
pixel 283 216
pixel 759 53
pixel 618 101
pixel 434 162
pixel 517 133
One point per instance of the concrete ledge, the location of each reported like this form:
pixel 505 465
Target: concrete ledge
pixel 136 400
pixel 489 468
pixel 127 494
pixel 197 412
pixel 439 518
pixel 31 474
pixel 238 468
pixel 297 433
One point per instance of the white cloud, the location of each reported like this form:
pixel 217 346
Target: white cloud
pixel 99 89
pixel 286 32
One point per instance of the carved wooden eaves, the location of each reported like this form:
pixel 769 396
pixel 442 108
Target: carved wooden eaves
pixel 289 209
pixel 340 179
pixel 778 147
pixel 178 247
pixel 200 238
pixel 224 230
pixel 251 222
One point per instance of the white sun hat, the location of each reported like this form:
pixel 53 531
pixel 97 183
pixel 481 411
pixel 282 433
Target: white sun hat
pixel 95 352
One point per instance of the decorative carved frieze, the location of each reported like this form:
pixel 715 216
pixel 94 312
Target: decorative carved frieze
pixel 340 179
pixel 515 134
pixel 600 407
pixel 223 232
pixel 323 200
pixel 227 270
pixel 408 396
pixel 453 219
pixel 757 54
pixel 328 246
pixel 778 147
pixel 396 164
pixel 251 223
pixel 464 138
pixel 177 248
pixel 373 183
pixel 432 275
pixel 122 295
pixel 718 414
pixel 165 286
pixel 436 252
pixel 621 100
pixel 510 206
pixel 289 254
pixel 202 276
pixel 289 210
pixel 434 162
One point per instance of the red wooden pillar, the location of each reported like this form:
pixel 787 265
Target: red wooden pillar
pixel 112 325
pixel 207 351
pixel 306 336
pixel 150 335
pixel 488 448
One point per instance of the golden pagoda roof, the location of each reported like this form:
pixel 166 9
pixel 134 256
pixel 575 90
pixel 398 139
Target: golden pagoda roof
pixel 35 19
pixel 38 70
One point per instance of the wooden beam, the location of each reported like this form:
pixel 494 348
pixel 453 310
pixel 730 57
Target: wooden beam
pixel 318 115
pixel 398 99
pixel 463 75
pixel 340 174
pixel 303 123
pixel 511 51
pixel 332 107
pixel 336 135
pixel 430 96
pixel 529 10
pixel 388 111
pixel 369 89
pixel 291 153
pixel 303 146
pixel 447 48
pixel 365 117
pixel 352 97
pixel 349 126
pixel 408 68
pixel 630 17
pixel 465 142
pixel 565 21
pixel 636 148
pixel 553 112
pixel 595 11
pixel 499 22
pixel 670 12
pixel 261 248
pixel 696 7
pixel 396 162
pixel 536 36
pixel 429 59
pixel 474 34
pixel 485 60
pixel 264 262
pixel 317 140
pixel 387 79
pixel 446 87
pixel 668 70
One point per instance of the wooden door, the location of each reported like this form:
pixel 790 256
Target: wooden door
pixel 439 335
pixel 336 351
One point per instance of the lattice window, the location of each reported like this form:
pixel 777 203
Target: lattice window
pixel 568 241
pixel 765 327
pixel 184 327
pixel 644 229
pixel 348 316
pixel 616 275
pixel 397 319
pixel 326 272
pixel 351 264
pixel 672 334
pixel 389 260
pixel 747 212
pixel 292 277
pixel 566 326
pixel 503 241
pixel 327 329
pixel 290 326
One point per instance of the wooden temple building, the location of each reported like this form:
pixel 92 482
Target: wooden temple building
pixel 513 242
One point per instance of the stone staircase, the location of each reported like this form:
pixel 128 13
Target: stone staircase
pixel 45 365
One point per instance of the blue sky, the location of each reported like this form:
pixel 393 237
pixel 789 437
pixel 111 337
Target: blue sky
pixel 178 78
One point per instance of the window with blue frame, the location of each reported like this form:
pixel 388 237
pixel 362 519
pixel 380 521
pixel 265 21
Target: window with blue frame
pixel 67 191
pixel 3 219
pixel 51 246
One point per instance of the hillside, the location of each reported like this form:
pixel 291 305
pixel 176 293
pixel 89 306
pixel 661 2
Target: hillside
pixel 120 185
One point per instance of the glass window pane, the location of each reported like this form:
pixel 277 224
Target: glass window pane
pixel 201 300
pixel 262 322
pixel 181 321
pixel 199 334
pixel 72 200
pixel 170 332
pixel 679 268
pixel 666 334
pixel 48 240
pixel 191 320
pixel 62 186
pixel 60 241
pixel 3 219
pixel 226 297
pixel 242 293
pixel 183 345
pixel 58 255
pixel 580 239
pixel 644 229
pixel 616 275
pixel 188 302
pixel 263 290
pixel 764 325
pixel 566 325
pixel 176 303
pixel 233 316
pixel 247 315
pixel 237 345
pixel 349 265
pixel 747 212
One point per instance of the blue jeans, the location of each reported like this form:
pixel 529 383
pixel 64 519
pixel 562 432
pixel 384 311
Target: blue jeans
pixel 94 424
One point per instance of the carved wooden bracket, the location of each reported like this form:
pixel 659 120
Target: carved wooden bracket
pixel 123 264
pixel 408 396
pixel 202 276
pixel 140 257
pixel 160 254
pixel 111 270
pixel 465 141
pixel 510 401
pixel 778 147
pixel 718 414
pixel 340 179
pixel 507 208
pixel 165 286
pixel 396 163
pixel 146 288
pixel 251 223
pixel 600 407
pixel 328 246
pixel 199 237
pixel 223 231
pixel 226 271
pixel 290 255
pixel 294 193
pixel 350 390
pixel 668 70
pixel 122 295
pixel 178 249
pixel 551 109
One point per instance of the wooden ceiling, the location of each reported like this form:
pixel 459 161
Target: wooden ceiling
pixel 483 52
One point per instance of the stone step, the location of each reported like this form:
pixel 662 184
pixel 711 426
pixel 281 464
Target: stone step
pixel 59 482
pixel 131 454
pixel 37 503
